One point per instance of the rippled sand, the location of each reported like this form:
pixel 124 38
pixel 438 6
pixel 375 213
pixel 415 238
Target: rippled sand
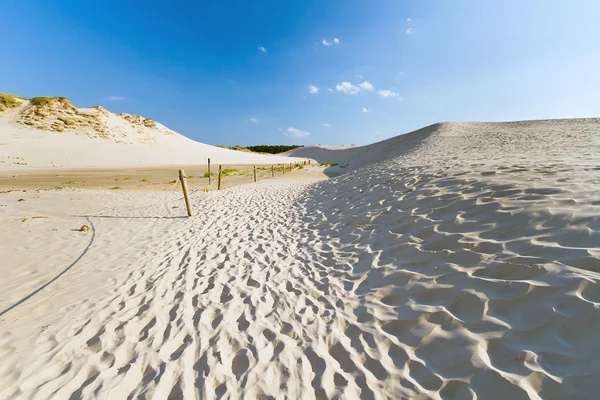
pixel 464 264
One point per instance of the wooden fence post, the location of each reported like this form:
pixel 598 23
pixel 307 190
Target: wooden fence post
pixel 185 192
pixel 209 172
pixel 272 171
pixel 255 173
pixel 283 168
pixel 219 179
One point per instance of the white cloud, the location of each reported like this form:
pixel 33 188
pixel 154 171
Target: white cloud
pixel 253 120
pixel 296 132
pixel 366 86
pixel 334 41
pixel 409 31
pixel 408 20
pixel 263 49
pixel 327 125
pixel 385 93
pixel 329 89
pixel 116 98
pixel 365 110
pixel 347 88
pixel 313 89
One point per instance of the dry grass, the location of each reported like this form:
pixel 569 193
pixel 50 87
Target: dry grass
pixel 45 100
pixel 9 101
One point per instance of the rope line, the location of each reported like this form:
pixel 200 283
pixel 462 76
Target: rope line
pixel 30 310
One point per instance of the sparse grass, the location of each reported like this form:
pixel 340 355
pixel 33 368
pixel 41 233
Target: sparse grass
pixel 173 181
pixel 329 164
pixel 191 176
pixel 45 100
pixel 117 180
pixel 116 188
pixel 66 121
pixel 8 101
pixel 343 166
pixel 206 174
pixel 229 171
pixel 145 180
pixel 70 183
pixel 127 178
pixel 300 166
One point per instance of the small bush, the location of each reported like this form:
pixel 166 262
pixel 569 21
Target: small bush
pixel 145 180
pixel 116 188
pixel 173 181
pixel 127 179
pixel 206 174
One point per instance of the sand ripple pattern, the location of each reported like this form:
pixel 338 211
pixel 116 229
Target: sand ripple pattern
pixel 392 281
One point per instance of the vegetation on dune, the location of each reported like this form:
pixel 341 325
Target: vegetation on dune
pixel 9 101
pixel 44 100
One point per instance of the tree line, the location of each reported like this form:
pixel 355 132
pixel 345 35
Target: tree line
pixel 272 149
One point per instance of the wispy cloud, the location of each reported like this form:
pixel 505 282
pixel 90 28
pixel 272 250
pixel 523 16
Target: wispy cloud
pixel 410 31
pixel 329 89
pixel 366 86
pixel 296 133
pixel 116 98
pixel 313 89
pixel 253 120
pixel 327 125
pixel 365 110
pixel 347 88
pixel 385 93
pixel 334 41
pixel 263 49
pixel 408 20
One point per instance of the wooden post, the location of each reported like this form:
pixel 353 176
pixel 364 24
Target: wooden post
pixel 209 172
pixel 272 171
pixel 255 173
pixel 283 168
pixel 219 183
pixel 185 192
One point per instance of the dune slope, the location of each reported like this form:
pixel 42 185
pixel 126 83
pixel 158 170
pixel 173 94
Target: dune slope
pixel 468 266
pixel 55 134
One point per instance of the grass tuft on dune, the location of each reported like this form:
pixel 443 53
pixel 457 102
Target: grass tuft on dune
pixel 9 101
pixel 45 100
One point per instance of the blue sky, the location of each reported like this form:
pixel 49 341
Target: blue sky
pixel 381 67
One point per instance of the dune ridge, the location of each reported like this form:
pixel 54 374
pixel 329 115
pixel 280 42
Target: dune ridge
pixel 465 265
pixel 43 133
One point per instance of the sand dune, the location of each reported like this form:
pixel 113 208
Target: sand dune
pixel 465 265
pixel 60 135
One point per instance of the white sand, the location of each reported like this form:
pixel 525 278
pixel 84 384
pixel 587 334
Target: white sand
pixel 121 144
pixel 467 266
